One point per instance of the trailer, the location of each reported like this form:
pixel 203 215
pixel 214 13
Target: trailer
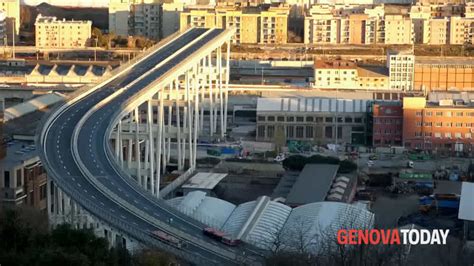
pixel 165 237
pixel 220 236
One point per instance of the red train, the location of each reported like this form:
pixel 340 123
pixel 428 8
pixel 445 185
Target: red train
pixel 220 236
pixel 165 237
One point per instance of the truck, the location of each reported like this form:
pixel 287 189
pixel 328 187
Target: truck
pixel 165 237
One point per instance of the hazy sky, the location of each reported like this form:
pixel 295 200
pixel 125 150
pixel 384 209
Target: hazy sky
pixel 86 3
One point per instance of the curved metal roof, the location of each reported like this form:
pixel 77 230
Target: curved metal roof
pixel 208 210
pixel 318 222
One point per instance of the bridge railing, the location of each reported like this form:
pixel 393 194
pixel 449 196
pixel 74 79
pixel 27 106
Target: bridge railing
pixel 123 67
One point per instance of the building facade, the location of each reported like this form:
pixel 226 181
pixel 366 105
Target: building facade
pixel 443 75
pixel 53 33
pixel 401 68
pixel 262 24
pixel 443 126
pixel 12 20
pixel 343 74
pixel 23 179
pixel 312 120
pixel 387 123
pixel 136 17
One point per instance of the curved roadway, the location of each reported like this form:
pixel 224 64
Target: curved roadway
pixel 83 166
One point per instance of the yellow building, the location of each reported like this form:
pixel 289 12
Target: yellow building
pixel 461 30
pixel 398 29
pixel 12 12
pixel 342 74
pixel 53 33
pixel 264 25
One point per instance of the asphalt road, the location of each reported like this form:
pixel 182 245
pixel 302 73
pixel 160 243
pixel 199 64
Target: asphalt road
pixel 64 169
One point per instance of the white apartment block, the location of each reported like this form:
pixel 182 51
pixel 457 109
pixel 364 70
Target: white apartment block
pixel 53 33
pixel 401 67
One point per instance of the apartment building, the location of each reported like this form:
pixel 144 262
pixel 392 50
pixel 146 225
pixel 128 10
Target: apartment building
pixel 343 74
pixel 444 126
pixel 12 14
pixel 145 19
pixel 262 24
pixel 398 29
pixel 3 28
pixel 387 123
pixel 362 25
pixel 23 179
pixel 136 17
pixel 401 68
pixel 53 33
pixel 443 75
pixel 312 120
pixel 461 30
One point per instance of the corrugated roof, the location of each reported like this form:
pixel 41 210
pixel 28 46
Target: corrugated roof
pixel 312 184
pixel 311 105
pixel 32 105
pixel 466 206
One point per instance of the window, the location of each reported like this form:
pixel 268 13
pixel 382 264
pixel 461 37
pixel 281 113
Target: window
pixel 339 132
pixel 319 119
pixel 438 124
pixel 290 119
pixel 459 114
pixel 299 119
pixel 348 119
pixel 428 134
pixel 428 113
pixel 418 123
pixel 18 178
pixel 290 131
pixel 299 132
pixel 271 131
pixel 43 192
pixel 271 118
pixel 457 135
pixel 418 113
pixel 437 135
pixel 328 132
pixel 448 114
pixel 309 119
pixel 418 134
pixel 328 120
pixel 428 124
pixel 468 135
pixel 458 124
pixel 261 118
pixel 358 120
pixel 309 132
pixel 6 179
pixel 261 131
pixel 448 135
pixel 281 118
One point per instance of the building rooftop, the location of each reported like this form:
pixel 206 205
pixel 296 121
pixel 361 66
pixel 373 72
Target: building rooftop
pixel 18 152
pixel 313 105
pixel 444 61
pixel 47 19
pixel 312 184
pixel 466 208
pixel 337 64
pixel 372 71
pixel 204 181
pixel 32 105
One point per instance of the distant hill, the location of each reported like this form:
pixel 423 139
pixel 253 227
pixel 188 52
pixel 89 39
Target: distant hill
pixel 98 16
pixel 68 3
